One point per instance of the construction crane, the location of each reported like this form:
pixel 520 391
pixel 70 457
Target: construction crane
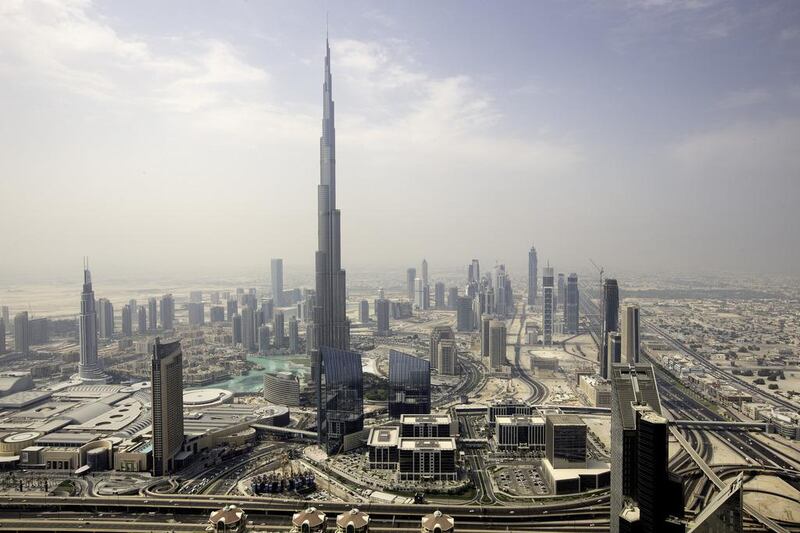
pixel 601 272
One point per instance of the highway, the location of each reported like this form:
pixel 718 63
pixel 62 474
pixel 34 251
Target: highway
pixel 538 390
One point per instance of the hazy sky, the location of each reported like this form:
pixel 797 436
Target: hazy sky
pixel 184 136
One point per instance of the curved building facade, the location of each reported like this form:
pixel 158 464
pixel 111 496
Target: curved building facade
pixel 409 384
pixel 282 388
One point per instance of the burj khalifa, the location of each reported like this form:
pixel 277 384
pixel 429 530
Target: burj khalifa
pixel 330 327
pixel 88 368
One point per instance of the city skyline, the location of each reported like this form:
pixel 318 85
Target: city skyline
pixel 246 79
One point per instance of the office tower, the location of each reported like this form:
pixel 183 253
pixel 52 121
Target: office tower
pixel 438 295
pixel 571 305
pixel 630 334
pixel 547 311
pixel 167 405
pixel 2 336
pixel 411 276
pixel 127 321
pixel 6 315
pixel 134 307
pixel 276 273
pixel 248 329
pixel 640 452
pixel 533 280
pixel 409 384
pixel 267 310
pixel 565 441
pixel 233 308
pixel 561 290
pixel 447 357
pixel 88 367
pixel 474 271
pixel 38 331
pixel 216 314
pixel 419 294
pixel 464 314
pixel 152 314
pixel 497 343
pixel 452 298
pixel 330 327
pixel 486 321
pixel 236 329
pixel 363 311
pixel 196 297
pixel 500 295
pixel 382 316
pixel 105 318
pixel 343 396
pixel 278 328
pixel 610 309
pixel 168 311
pixel 263 339
pixel 215 297
pixel 426 297
pixel 21 338
pixel 613 353
pixel 294 336
pixel 141 316
pixel 197 313
pixel 438 334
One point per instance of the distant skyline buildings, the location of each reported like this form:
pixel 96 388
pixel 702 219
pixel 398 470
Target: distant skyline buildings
pixel 548 306
pixel 276 277
pixel 572 305
pixel 533 276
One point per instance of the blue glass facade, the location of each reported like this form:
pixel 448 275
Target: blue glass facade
pixel 342 395
pixel 409 384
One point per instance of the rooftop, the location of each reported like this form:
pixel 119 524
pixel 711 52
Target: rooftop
pixel 442 443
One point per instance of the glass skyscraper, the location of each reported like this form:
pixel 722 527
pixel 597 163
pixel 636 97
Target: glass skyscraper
pixel 409 385
pixel 343 396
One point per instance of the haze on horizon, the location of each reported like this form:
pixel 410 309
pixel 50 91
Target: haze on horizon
pixel 183 137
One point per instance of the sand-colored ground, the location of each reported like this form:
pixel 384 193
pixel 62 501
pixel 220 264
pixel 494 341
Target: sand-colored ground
pixel 782 505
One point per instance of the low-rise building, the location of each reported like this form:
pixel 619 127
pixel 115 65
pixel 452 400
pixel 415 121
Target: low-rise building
pixel 427 459
pixel 519 432
pixel 419 426
pixel 382 445
pixel 596 389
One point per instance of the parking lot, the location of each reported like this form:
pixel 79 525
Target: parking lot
pixel 521 480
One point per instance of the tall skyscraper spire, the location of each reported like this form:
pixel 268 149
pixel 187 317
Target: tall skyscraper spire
pixel 88 369
pixel 330 326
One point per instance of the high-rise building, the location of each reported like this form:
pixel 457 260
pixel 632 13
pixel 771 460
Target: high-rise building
pixel 438 295
pixel 167 405
pixel 562 290
pixel 641 489
pixel 236 329
pixel 548 306
pixel 613 353
pixel 497 343
pixel 486 321
pixel 216 314
pixel 419 294
pixel 571 305
pixel 21 333
pixel 294 336
pixel 474 272
pixel 6 315
pixel 438 333
pixel 409 384
pixel 88 368
pixel 249 330
pixel 2 335
pixel 168 311
pixel 263 339
pixel 105 318
pixel 343 395
pixel 267 310
pixel 214 297
pixel 39 330
pixel 197 313
pixel 278 328
pixel 426 297
pixel 127 321
pixel 134 307
pixel 141 316
pixel 502 292
pixel 363 311
pixel 565 441
pixel 610 310
pixel 233 308
pixel 382 316
pixel 196 297
pixel 447 357
pixel 630 334
pixel 425 279
pixel 411 275
pixel 464 314
pixel 452 298
pixel 276 272
pixel 533 272
pixel 330 328
pixel 152 314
